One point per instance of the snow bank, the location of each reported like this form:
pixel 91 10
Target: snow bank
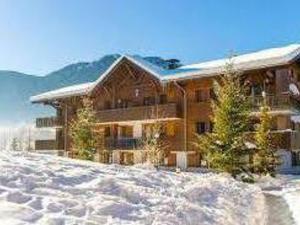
pixel 39 189
pixel 286 186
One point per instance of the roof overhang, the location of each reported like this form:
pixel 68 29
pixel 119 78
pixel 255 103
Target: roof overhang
pixel 258 60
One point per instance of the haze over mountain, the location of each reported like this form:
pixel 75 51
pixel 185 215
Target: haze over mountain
pixel 16 87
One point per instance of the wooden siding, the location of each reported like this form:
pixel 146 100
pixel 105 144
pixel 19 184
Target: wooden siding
pixel 131 85
pixel 138 113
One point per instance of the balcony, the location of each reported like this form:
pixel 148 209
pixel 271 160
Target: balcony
pixel 48 122
pixel 295 140
pixel 138 113
pixel 275 102
pixel 123 143
pixel 48 145
pixel 281 139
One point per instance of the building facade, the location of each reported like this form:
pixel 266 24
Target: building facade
pixel 133 94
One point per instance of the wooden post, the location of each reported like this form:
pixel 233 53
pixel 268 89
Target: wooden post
pixel 100 141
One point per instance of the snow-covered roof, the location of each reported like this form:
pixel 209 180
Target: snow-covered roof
pixel 74 90
pixel 256 60
pixel 260 59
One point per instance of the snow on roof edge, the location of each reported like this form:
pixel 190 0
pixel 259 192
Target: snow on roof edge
pixel 68 91
pixel 262 59
pixel 290 52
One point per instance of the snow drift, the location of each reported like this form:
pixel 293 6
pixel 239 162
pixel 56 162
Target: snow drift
pixel 39 189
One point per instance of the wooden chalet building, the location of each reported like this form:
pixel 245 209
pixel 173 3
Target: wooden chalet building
pixel 133 93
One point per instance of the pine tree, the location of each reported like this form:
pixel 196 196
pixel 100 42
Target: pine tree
pixel 82 131
pixel 15 144
pixel 153 144
pixel 224 148
pixel 264 159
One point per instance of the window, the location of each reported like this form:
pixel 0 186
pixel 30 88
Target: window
pixel 149 100
pixel 126 132
pixel 201 95
pixel 211 126
pixel 295 158
pixel 163 99
pixel 200 127
pixel 257 89
pixel 107 132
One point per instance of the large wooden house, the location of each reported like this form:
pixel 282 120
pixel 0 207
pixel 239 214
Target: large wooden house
pixel 133 94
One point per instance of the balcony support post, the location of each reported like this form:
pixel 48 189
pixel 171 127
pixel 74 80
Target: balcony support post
pixel 184 114
pixel 66 128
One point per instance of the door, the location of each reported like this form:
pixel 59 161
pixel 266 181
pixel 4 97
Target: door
pixel 285 159
pixel 181 160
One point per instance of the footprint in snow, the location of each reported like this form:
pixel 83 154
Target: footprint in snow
pixel 76 211
pixel 36 204
pixel 18 197
pixel 55 207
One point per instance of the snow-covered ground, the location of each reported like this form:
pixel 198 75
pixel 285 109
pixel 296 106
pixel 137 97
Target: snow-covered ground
pixel 39 189
pixel 286 187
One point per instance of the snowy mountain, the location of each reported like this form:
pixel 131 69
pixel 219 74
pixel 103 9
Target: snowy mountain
pixel 16 88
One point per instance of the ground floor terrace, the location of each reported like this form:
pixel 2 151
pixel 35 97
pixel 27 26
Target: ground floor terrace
pixel 122 132
pixel 123 143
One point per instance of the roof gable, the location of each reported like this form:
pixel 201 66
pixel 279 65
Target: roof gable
pixel 138 61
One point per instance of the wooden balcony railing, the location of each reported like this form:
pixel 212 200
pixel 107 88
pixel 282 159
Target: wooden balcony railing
pixel 48 122
pixel 295 140
pixel 281 139
pixel 123 143
pixel 138 113
pixel 45 145
pixel 275 102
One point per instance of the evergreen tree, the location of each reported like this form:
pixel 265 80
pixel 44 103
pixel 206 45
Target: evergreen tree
pixel 15 144
pixel 82 131
pixel 153 144
pixel 264 159
pixel 224 149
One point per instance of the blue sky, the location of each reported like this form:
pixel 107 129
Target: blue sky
pixel 37 37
